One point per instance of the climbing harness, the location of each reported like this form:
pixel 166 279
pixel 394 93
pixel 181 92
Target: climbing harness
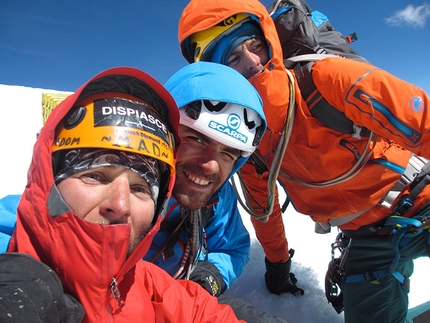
pixel 401 228
pixel 336 272
pixel 414 167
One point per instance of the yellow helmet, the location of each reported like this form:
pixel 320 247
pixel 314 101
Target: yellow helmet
pixel 202 45
pixel 116 122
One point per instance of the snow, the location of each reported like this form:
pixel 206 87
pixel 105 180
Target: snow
pixel 21 119
pixel 312 255
pixel 309 264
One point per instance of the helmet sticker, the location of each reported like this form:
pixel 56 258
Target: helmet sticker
pixel 115 123
pixel 230 128
pixel 125 113
pixel 233 121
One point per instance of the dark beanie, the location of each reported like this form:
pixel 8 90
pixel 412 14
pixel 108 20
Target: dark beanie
pixel 73 161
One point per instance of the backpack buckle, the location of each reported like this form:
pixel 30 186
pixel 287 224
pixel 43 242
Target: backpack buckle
pixel 403 206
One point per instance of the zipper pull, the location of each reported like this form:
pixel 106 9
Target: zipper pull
pixel 115 291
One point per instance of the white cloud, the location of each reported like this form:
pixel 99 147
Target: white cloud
pixel 411 16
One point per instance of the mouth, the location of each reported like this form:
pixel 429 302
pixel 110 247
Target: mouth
pixel 258 72
pixel 261 70
pixel 197 180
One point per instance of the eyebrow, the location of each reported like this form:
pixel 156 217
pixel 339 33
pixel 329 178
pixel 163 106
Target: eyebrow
pixel 208 140
pixel 247 43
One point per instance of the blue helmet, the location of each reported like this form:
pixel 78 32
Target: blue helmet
pixel 220 103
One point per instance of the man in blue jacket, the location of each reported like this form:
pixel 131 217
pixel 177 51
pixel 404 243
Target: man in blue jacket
pixel 202 237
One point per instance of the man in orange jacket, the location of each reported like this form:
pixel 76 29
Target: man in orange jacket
pixel 353 181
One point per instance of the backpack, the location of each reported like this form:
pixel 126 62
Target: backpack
pixel 302 30
pixel 306 36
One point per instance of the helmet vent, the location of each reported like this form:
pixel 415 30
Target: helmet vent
pixel 75 117
pixel 193 110
pixel 217 107
pixel 249 124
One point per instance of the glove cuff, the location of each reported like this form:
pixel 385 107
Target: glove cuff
pixel 278 269
pixel 207 274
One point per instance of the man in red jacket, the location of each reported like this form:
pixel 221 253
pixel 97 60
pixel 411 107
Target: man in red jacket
pixel 102 171
pixel 359 181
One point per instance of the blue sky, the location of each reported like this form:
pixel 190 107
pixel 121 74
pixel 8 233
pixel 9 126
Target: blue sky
pixel 61 44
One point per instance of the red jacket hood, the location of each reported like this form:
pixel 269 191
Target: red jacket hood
pixel 86 256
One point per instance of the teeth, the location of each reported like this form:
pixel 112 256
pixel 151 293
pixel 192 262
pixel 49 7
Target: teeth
pixel 197 180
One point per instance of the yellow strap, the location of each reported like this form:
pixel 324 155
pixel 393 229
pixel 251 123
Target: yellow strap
pixel 50 102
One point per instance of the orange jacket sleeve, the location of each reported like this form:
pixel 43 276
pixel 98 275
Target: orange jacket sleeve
pixel 377 100
pixel 270 234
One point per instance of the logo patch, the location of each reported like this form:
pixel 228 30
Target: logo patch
pixel 416 103
pixel 233 123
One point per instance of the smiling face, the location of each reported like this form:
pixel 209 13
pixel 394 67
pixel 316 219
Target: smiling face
pixel 111 195
pixel 202 167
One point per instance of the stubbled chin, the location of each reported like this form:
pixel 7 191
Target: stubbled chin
pixel 191 198
pixel 189 194
pixel 190 201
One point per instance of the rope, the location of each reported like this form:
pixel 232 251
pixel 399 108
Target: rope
pixel 277 161
pixel 189 258
pixel 353 171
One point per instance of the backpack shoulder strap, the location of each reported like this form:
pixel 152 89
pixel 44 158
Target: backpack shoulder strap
pixel 207 213
pixel 318 106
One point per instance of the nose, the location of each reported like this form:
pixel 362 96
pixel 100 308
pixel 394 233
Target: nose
pixel 116 207
pixel 252 61
pixel 209 163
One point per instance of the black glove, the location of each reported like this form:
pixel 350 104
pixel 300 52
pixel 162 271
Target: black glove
pixel 207 275
pixel 32 292
pixel 279 279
